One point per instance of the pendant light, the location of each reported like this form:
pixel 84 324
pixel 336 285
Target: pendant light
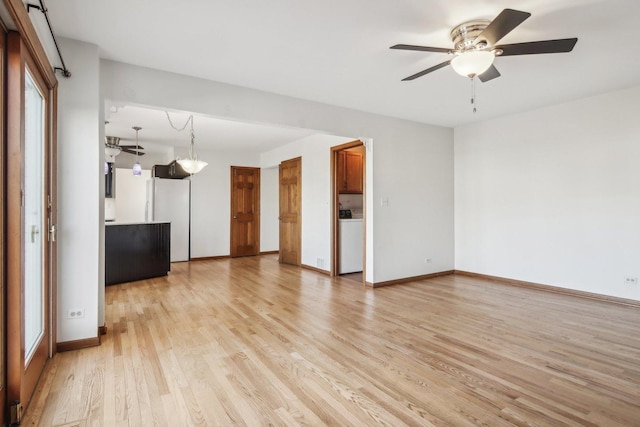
pixel 191 165
pixel 137 169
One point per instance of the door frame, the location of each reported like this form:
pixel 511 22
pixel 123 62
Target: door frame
pixel 256 201
pixel 335 208
pixel 20 59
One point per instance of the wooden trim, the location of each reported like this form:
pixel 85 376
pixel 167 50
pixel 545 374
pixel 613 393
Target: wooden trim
pixel 316 269
pixel 553 289
pixel 21 20
pixel 408 279
pixel 102 330
pixel 78 344
pixel 269 253
pixel 53 215
pixel 13 224
pixel 3 283
pixel 210 258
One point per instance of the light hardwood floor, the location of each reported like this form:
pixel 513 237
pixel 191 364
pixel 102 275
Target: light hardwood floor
pixel 249 342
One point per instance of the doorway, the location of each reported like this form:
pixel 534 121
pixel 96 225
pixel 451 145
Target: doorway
pixel 290 217
pixel 348 165
pixel 245 211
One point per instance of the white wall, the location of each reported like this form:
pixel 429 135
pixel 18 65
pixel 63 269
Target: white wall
pixel 80 193
pixel 131 195
pixel 315 151
pixel 211 201
pixel 552 196
pixel 269 209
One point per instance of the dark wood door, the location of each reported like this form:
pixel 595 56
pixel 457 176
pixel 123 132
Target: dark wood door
pixel 290 211
pixel 245 211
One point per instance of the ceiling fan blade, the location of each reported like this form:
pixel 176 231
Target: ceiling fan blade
pixel 490 74
pixel 420 48
pixel 139 153
pixel 544 46
pixel 132 147
pixel 427 71
pixel 502 25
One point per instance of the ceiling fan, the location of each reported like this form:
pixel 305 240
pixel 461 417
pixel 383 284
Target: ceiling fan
pixel 113 147
pixel 475 46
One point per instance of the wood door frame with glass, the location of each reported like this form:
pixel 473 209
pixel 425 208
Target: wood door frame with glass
pixel 30 217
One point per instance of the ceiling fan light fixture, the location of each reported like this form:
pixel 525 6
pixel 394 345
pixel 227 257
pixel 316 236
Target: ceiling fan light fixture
pixel 111 151
pixel 472 63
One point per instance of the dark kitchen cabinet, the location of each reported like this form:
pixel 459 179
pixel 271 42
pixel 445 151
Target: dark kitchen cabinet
pixel 136 251
pixel 350 172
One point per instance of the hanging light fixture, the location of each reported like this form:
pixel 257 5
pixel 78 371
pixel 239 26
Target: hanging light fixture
pixel 137 169
pixel 191 165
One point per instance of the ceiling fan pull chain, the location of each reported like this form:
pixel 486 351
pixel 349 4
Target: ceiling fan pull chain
pixel 473 94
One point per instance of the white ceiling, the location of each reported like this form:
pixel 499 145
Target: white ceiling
pixel 337 51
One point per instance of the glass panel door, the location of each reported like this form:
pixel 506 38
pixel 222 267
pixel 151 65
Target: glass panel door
pixel 34 216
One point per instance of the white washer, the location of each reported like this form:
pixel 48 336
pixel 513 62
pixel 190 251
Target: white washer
pixel 351 245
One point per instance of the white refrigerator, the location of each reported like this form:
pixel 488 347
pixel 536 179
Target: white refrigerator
pixel 170 200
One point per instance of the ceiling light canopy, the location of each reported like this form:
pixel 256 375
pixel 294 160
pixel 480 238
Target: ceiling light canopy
pixel 472 63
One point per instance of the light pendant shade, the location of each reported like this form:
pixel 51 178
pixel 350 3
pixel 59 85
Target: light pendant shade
pixel 137 169
pixel 192 165
pixel 473 62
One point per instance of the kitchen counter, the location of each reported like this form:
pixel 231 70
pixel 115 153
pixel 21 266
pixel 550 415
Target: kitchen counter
pixel 136 251
pixel 108 223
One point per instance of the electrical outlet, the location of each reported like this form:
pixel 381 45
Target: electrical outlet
pixel 320 262
pixel 427 260
pixel 76 313
pixel 628 280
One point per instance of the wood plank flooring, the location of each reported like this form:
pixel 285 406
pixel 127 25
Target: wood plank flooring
pixel 247 341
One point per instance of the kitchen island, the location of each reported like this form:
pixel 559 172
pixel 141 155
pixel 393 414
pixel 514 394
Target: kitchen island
pixel 136 251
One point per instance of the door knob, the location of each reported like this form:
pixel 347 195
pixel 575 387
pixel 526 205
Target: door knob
pixel 235 217
pixel 34 231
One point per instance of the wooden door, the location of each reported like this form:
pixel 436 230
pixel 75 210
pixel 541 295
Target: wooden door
pixel 29 223
pixel 245 211
pixel 290 211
